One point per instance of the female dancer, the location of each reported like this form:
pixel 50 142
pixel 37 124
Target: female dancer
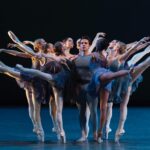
pixel 34 88
pixel 122 87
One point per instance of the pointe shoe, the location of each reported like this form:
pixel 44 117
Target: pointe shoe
pixel 106 134
pixel 119 134
pixel 53 129
pixel 13 37
pixel 56 131
pixel 40 135
pixel 99 139
pixel 87 131
pixel 95 136
pixel 58 137
pixel 81 139
pixel 63 138
pixel 35 130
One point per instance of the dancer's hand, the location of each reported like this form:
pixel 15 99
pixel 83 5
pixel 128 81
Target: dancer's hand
pixel 25 42
pixel 11 45
pixel 143 45
pixel 145 39
pixel 28 42
pixel 102 34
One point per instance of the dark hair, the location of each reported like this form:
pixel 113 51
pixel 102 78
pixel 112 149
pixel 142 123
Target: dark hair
pixel 65 39
pixel 52 67
pixel 47 46
pixel 38 41
pixel 101 44
pixel 87 38
pixel 58 48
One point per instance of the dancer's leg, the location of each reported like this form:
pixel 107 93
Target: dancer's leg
pixel 37 73
pixel 53 113
pixel 93 103
pixel 104 94
pixel 108 120
pixel 140 68
pixel 9 71
pixel 28 91
pixel 106 77
pixel 37 118
pixel 82 119
pixel 123 115
pixel 87 114
pixel 59 103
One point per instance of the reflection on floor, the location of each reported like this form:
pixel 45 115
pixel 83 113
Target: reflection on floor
pixel 16 131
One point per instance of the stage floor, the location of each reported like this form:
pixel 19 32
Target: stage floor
pixel 16 131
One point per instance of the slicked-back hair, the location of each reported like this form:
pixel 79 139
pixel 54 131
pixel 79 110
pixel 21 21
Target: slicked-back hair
pixel 101 44
pixel 58 48
pixel 86 38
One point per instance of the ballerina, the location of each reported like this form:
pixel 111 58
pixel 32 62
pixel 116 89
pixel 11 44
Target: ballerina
pixel 125 85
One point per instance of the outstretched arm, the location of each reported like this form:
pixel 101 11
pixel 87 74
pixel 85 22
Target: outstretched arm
pixel 28 42
pixel 138 56
pixel 15 53
pixel 53 57
pixel 128 46
pixel 95 40
pixel 20 44
pixel 136 47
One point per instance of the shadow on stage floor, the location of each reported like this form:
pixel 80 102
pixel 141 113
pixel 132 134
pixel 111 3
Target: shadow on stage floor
pixel 16 131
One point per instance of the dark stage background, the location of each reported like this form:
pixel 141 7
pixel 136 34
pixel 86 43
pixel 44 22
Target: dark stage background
pixel 126 20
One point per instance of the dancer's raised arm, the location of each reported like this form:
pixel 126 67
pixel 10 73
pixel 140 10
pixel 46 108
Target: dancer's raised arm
pixel 129 45
pixel 136 47
pixel 15 53
pixel 138 56
pixel 28 42
pixel 20 44
pixel 95 40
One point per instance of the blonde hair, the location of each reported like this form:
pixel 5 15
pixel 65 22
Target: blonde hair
pixel 122 48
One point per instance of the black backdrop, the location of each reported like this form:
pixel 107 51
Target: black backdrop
pixel 53 20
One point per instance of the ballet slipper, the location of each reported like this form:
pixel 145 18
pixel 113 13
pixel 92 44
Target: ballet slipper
pixel 118 134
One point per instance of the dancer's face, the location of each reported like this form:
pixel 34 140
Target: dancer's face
pixel 69 43
pixel 112 44
pixel 62 47
pixel 115 50
pixel 84 45
pixel 117 47
pixel 50 48
pixel 40 45
pixel 78 44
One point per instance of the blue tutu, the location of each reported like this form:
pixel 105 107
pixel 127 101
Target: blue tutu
pixel 95 84
pixel 119 85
